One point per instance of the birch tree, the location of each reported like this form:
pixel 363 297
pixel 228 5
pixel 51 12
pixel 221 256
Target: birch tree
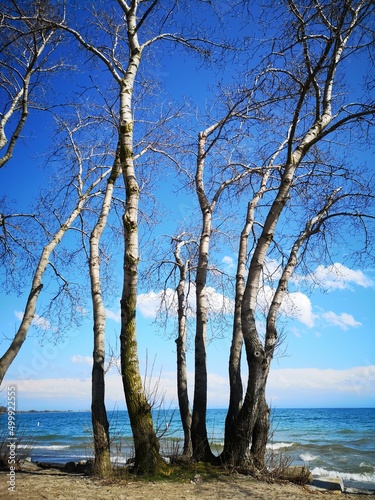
pixel 306 70
pixel 233 172
pixel 182 290
pixel 119 48
pixel 175 316
pixel 99 418
pixel 185 262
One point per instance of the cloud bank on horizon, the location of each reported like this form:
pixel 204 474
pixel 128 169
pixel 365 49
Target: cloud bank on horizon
pixel 312 387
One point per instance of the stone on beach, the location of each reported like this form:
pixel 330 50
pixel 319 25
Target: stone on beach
pixel 328 483
pixel 297 474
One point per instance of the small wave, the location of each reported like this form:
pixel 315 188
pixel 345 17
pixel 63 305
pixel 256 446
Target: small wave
pixel 367 465
pixel 367 477
pixel 306 457
pixel 278 446
pixel 332 448
pixel 362 442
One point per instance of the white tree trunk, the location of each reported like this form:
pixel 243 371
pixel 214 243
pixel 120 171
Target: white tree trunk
pixel 147 458
pixel 98 410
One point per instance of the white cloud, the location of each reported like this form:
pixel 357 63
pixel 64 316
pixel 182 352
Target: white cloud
pixel 218 391
pixel 227 260
pixel 38 321
pixel 298 305
pixel 19 315
pixel 357 380
pixel 53 389
pixel 77 358
pixel 82 310
pixel 343 320
pixel 60 393
pixel 272 269
pixel 338 276
pixel 115 316
pixel 295 331
pixel 149 303
pixel 229 263
pixel 217 302
pixel 295 305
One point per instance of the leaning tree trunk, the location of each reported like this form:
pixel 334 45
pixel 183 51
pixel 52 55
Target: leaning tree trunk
pixel 99 419
pixel 147 458
pixel 201 447
pixel 259 357
pixel 261 429
pixel 237 447
pixel 10 354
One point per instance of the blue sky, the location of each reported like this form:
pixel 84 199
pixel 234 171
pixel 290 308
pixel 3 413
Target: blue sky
pixel 329 358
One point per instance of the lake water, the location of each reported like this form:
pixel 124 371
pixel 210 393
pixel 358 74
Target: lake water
pixel 330 442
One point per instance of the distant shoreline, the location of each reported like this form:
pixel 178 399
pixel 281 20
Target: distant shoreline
pixel 46 411
pixel 53 411
pixel 3 409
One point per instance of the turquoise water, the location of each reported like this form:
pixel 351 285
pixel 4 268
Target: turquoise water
pixel 336 442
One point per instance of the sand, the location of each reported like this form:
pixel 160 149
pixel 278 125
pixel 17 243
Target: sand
pixel 58 485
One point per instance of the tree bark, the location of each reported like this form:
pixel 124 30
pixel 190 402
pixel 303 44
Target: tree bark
pixel 201 447
pixel 252 413
pixel 235 382
pixel 236 450
pixel 146 445
pixel 260 434
pixel 182 390
pixel 147 458
pixel 99 418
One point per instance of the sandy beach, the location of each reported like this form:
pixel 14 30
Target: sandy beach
pixel 53 484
